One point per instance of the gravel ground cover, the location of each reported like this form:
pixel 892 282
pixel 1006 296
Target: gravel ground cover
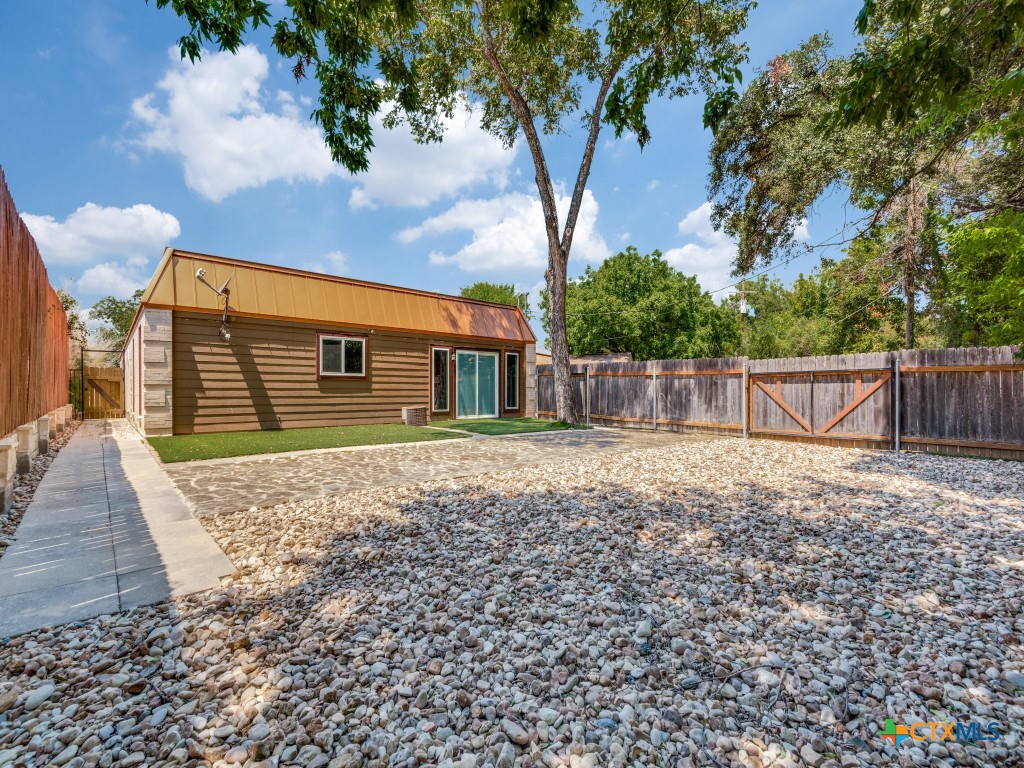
pixel 714 603
pixel 25 486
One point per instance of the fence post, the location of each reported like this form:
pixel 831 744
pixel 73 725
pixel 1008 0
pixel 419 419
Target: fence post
pixel 743 400
pixel 654 396
pixel 812 403
pixel 537 369
pixel 897 415
pixel 586 392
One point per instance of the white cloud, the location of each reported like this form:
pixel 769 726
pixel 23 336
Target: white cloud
pixel 710 257
pixel 405 173
pixel 113 279
pixel 333 263
pixel 231 133
pixel 508 232
pixel 218 119
pixel 653 184
pixel 95 231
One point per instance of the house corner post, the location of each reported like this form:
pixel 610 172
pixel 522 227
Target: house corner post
pixel 531 381
pixel 157 372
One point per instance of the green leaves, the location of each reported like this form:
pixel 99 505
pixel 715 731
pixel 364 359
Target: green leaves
pixel 117 316
pixel 641 304
pixel 499 293
pixel 416 58
pixel 985 299
pixel 935 61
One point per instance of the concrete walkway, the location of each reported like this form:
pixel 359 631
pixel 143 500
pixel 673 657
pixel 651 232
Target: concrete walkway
pixel 106 531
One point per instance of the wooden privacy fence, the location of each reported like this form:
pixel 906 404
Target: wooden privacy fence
pixel 967 401
pixel 33 326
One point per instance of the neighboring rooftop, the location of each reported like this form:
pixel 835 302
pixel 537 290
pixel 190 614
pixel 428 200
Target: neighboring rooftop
pixel 264 290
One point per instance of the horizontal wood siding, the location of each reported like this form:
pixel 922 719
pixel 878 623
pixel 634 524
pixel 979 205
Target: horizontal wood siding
pixel 266 376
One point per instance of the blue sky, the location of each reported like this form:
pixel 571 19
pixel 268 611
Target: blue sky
pixel 113 148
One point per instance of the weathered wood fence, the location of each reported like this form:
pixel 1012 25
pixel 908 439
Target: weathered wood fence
pixel 961 401
pixel 33 326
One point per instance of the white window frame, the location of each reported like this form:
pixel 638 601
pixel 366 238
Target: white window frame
pixel 342 339
pixel 519 373
pixel 448 375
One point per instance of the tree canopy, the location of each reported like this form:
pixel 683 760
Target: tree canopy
pixel 782 150
pixel 77 330
pixel 955 62
pixel 528 69
pixel 116 316
pixel 499 293
pixel 641 304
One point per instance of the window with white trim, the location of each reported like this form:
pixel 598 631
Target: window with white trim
pixel 511 381
pixel 439 378
pixel 342 356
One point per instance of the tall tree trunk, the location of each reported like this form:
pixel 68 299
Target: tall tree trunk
pixel 565 398
pixel 910 247
pixel 558 248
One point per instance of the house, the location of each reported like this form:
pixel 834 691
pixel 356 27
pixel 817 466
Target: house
pixel 220 344
pixel 543 357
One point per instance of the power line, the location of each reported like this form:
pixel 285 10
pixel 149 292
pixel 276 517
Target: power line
pixel 873 301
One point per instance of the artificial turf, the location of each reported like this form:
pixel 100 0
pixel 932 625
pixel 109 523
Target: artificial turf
pixel 502 426
pixel 218 445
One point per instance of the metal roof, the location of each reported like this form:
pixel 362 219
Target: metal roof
pixel 263 290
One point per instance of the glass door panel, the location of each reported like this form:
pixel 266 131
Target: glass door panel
pixel 487 385
pixel 465 384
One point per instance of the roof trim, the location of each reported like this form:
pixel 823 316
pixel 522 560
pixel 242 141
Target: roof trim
pixel 162 292
pixel 168 252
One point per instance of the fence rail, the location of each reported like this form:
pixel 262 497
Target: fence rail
pixel 965 401
pixel 33 326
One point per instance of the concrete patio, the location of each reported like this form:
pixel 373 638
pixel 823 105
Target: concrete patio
pixel 106 531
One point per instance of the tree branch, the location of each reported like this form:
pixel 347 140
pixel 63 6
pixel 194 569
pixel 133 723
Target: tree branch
pixel 587 160
pixel 525 116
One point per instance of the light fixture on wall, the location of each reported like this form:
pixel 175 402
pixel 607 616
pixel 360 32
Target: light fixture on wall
pixel 223 291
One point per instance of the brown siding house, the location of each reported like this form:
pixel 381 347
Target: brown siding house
pixel 280 348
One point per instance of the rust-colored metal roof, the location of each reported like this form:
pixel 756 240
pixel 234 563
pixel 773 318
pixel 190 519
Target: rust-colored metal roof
pixel 263 290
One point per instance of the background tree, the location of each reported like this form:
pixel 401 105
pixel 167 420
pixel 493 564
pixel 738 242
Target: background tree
pixel 782 149
pixel 952 62
pixel 499 293
pixel 529 67
pixel 983 300
pixel 775 157
pixel 77 330
pixel 117 316
pixel 642 305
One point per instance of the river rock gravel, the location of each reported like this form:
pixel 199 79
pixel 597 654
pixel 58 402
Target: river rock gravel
pixel 727 603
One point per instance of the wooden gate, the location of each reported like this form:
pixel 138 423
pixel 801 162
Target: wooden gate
pixel 841 404
pixel 104 393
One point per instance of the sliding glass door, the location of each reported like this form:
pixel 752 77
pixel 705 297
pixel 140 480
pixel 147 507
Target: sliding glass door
pixel 476 387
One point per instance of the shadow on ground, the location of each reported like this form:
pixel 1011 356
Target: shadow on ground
pixel 402 626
